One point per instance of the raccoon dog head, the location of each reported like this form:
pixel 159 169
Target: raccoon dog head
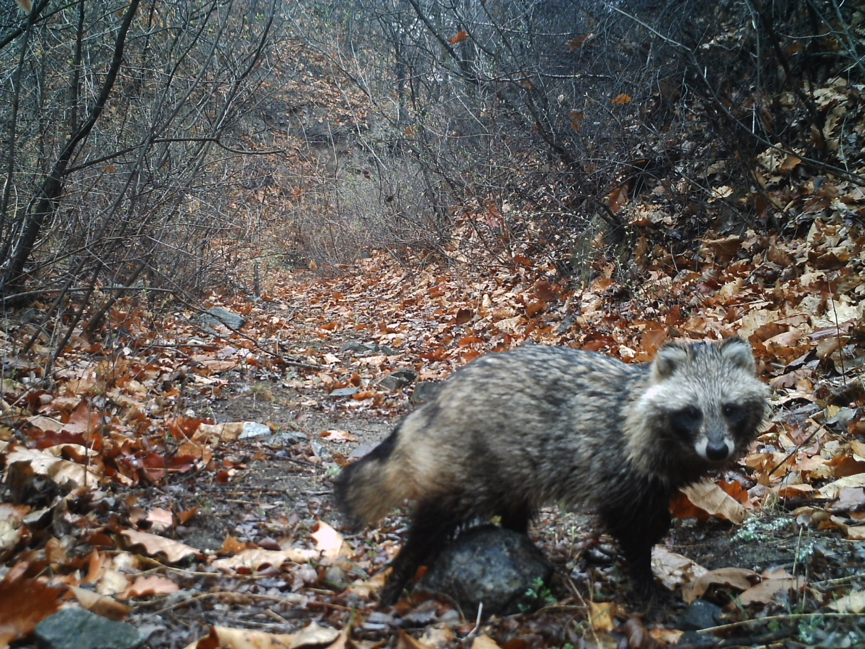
pixel 705 400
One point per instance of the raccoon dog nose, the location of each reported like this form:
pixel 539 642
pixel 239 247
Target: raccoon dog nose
pixel 717 451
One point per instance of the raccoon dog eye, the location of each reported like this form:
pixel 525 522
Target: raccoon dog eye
pixel 733 411
pixel 687 420
pixel 692 413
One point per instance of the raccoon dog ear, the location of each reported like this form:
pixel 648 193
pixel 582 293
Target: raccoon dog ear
pixel 739 352
pixel 668 360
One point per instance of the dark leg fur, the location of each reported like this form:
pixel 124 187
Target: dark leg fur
pixel 637 527
pixel 517 518
pixel 431 527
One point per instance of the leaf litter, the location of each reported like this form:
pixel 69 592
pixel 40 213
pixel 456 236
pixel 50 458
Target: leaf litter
pixel 178 476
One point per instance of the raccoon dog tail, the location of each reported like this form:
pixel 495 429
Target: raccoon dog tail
pixel 371 487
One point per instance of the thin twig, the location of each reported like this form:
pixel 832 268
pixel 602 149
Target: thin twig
pixel 776 618
pixel 799 445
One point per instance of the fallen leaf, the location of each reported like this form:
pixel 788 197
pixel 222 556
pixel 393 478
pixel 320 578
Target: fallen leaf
pixel 579 41
pixel 63 472
pixel 11 525
pixel 737 578
pixel 100 604
pixel 228 638
pixel 83 419
pixel 219 366
pixel 161 519
pixel 509 325
pixel 849 500
pixel 602 616
pixel 186 515
pixel 715 501
pixel 673 569
pixel 155 545
pixel 329 542
pixel 618 198
pixel 459 38
pixel 463 316
pixel 774 583
pixel 854 532
pixel 112 582
pixel 405 641
pixel 833 489
pixel 336 435
pixel 255 559
pixel 215 433
pixel 667 637
pixel 45 423
pixel 24 603
pixel 150 585
pixel 483 641
pixel 851 603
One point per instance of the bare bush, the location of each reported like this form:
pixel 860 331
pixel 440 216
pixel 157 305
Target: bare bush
pixel 538 120
pixel 126 124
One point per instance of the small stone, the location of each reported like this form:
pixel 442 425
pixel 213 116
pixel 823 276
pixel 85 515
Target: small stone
pixel 398 379
pixel 253 429
pixel 75 628
pixel 289 438
pixel 360 348
pixel 425 391
pixel 497 567
pixel 219 316
pixel 700 615
pixel 360 451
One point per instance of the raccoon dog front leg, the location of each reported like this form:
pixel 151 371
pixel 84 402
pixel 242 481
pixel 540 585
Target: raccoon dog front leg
pixel 637 526
pixel 432 525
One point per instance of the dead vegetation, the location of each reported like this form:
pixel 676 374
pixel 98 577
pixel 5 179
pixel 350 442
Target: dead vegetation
pixel 431 200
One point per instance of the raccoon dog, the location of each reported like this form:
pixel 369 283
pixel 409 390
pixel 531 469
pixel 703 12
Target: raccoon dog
pixel 513 431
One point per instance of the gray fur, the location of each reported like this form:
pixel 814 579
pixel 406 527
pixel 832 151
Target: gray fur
pixel 514 431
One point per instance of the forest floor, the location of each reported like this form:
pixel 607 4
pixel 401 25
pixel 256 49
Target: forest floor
pixel 131 490
pixel 175 475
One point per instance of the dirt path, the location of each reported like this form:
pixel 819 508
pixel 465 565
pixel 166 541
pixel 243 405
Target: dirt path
pixel 278 491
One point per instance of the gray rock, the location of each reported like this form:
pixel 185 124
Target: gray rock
pixel 321 451
pixel 75 628
pixel 424 391
pixel 700 615
pixel 407 373
pixel 289 438
pixel 335 577
pixel 343 392
pixel 497 567
pixel 219 316
pixel 378 622
pixel 254 429
pixel 398 379
pixel 359 451
pixel 360 348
